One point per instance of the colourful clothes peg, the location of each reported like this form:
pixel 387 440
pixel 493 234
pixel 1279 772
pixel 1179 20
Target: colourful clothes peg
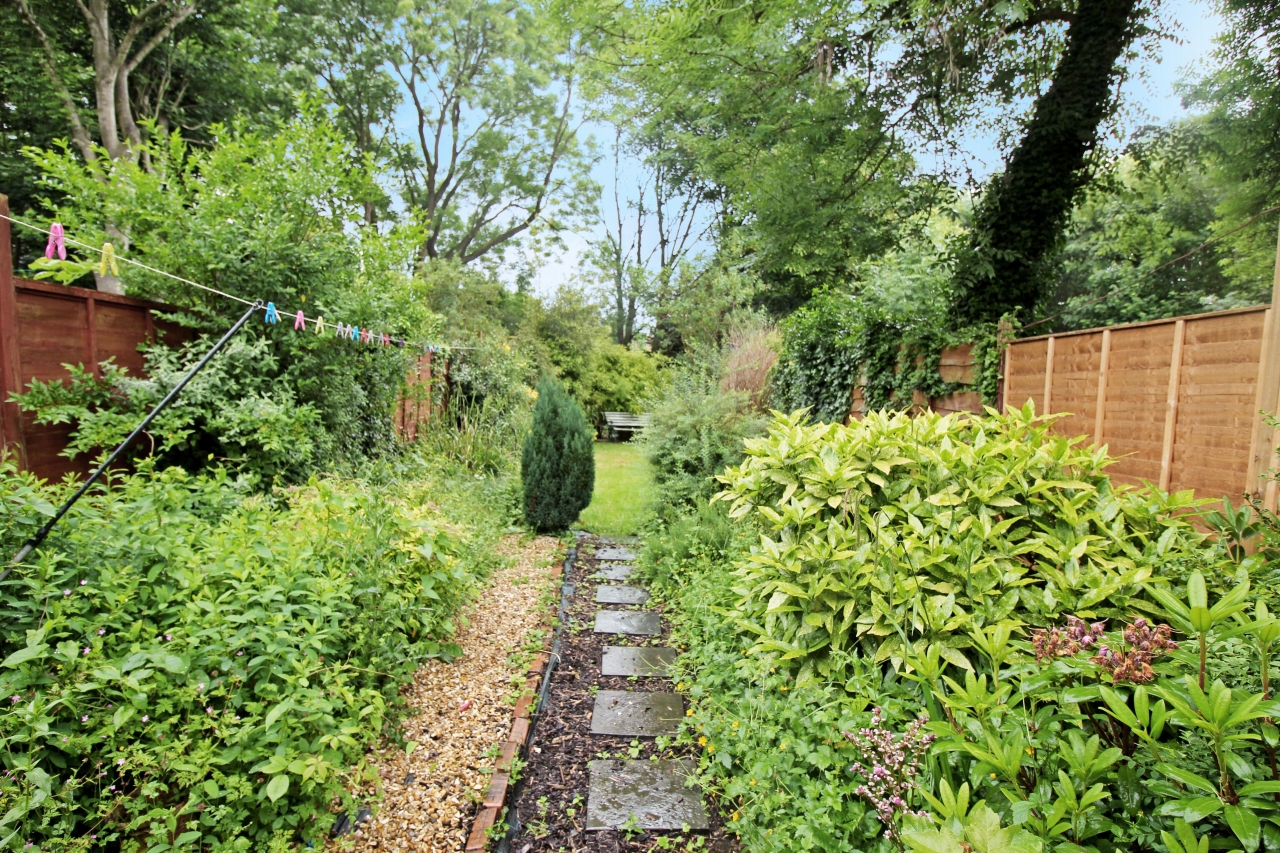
pixel 300 321
pixel 342 330
pixel 320 324
pixel 108 260
pixel 386 339
pixel 57 242
pixel 355 332
pixel 271 316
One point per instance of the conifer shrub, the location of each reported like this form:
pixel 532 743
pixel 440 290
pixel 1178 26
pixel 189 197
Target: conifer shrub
pixel 558 468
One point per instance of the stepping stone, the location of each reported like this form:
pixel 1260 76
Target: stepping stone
pixel 631 713
pixel 621 554
pixel 621 595
pixel 615 572
pixel 636 660
pixel 627 622
pixel 651 792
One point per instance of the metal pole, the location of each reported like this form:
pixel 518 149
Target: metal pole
pixel 34 541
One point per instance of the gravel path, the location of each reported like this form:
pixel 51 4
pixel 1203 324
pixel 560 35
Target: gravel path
pixel 463 710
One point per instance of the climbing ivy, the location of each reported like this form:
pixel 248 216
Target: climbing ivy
pixel 837 341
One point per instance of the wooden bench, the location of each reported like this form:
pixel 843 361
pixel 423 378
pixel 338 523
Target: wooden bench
pixel 619 423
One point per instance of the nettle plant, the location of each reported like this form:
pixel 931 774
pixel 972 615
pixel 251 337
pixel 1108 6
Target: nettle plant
pixel 897 534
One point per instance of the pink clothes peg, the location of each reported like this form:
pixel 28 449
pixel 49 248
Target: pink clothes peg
pixel 57 242
pixel 386 339
pixel 300 321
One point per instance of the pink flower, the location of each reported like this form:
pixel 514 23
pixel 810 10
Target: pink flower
pixel 200 686
pixel 85 718
pixel 87 650
pixel 101 631
pixel 82 583
pixel 66 592
pixel 120 763
pixel 168 636
pixel 145 718
pixel 209 710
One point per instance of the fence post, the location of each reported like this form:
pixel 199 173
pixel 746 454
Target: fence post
pixel 1171 404
pixel 1048 377
pixel 10 381
pixel 1100 411
pixel 1264 445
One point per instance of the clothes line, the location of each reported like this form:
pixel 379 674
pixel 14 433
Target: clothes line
pixel 272 315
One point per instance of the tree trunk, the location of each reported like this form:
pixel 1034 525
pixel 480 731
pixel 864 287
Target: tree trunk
pixel 1020 220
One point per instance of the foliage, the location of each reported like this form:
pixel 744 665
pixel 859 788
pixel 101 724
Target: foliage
pixel 557 468
pixel 897 534
pixel 892 348
pixel 491 88
pixel 186 664
pixel 1019 221
pixel 622 379
pixel 231 411
pixel 265 218
pixel 1100 734
pixel 1158 205
pixel 696 429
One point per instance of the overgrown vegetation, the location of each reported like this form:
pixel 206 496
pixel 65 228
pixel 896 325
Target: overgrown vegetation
pixel 187 664
pixel 1083 669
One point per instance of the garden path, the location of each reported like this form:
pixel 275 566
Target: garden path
pixel 459 711
pixel 596 780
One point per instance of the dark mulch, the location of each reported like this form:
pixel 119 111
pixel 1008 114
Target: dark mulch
pixel 553 801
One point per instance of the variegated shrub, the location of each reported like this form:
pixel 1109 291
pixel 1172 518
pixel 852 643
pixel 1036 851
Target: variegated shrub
pixel 897 536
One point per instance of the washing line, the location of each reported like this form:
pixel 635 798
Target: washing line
pixel 43 532
pixel 318 321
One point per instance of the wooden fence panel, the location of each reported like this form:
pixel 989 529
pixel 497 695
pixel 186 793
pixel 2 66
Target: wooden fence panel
pixel 1174 400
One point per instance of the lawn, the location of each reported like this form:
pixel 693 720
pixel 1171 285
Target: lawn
pixel 621 498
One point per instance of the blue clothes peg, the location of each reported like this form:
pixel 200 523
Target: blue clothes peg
pixel 272 316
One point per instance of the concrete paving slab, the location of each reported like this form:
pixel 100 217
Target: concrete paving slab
pixel 633 713
pixel 621 554
pixel 628 622
pixel 636 660
pixel 651 794
pixel 615 571
pixel 621 595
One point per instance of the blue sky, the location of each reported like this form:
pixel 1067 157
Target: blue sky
pixel 1150 98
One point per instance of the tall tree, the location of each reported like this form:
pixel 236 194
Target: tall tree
pixel 494 147
pixel 649 229
pixel 1021 217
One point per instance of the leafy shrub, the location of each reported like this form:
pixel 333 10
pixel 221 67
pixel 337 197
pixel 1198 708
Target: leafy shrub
pixel 558 468
pixel 696 430
pixel 188 664
pixel 277 218
pixel 895 533
pixel 233 410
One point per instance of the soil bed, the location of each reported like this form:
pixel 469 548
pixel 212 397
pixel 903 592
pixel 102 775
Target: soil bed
pixel 552 808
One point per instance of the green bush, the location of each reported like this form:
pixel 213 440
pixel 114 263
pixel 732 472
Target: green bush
pixel 558 467
pixel 188 664
pixel 896 533
pixel 697 430
pixel 1089 674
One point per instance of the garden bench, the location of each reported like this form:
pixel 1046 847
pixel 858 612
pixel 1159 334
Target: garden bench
pixel 619 423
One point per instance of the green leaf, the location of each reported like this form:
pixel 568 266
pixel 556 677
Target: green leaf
pixel 21 656
pixel 278 711
pixel 1192 809
pixel 277 787
pixel 1245 824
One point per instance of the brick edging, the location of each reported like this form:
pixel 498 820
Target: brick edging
pixel 500 783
